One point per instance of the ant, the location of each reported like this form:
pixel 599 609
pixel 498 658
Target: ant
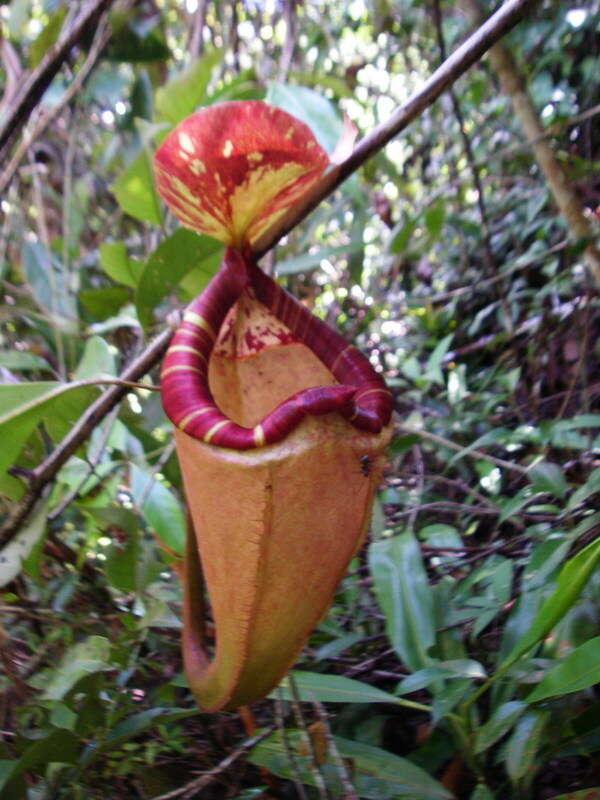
pixel 365 465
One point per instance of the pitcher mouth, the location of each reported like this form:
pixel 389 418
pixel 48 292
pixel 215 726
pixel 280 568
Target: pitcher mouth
pixel 360 394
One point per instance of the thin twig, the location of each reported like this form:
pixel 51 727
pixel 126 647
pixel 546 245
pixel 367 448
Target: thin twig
pixel 307 740
pixel 342 769
pixel 458 63
pixel 279 718
pixel 199 783
pixel 472 453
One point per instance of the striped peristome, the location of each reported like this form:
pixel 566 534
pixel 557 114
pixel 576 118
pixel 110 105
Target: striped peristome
pixel 361 395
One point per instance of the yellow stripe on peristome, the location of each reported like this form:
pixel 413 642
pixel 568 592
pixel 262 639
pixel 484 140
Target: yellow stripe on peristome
pixel 216 427
pixel 192 415
pixel 371 391
pixel 199 322
pixel 259 436
pixel 179 368
pixel 186 348
pixel 339 355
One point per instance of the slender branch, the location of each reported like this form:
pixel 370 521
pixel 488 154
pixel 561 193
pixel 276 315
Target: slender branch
pixel 34 87
pixel 342 769
pixel 458 63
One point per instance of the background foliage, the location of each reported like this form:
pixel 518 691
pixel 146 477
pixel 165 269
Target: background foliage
pixel 460 656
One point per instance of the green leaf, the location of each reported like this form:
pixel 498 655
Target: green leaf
pixel 403 592
pixel 434 362
pixel 61 746
pixel 160 508
pixel 58 405
pixel 17 550
pixel 90 655
pixel 577 671
pixel 336 646
pixel 105 301
pixel 47 36
pixel 131 42
pixel 117 264
pixel 310 107
pixel 174 258
pixel 376 773
pixel 524 744
pixel 121 563
pixel 501 721
pixel 591 486
pixel 49 284
pixel 548 477
pixel 313 686
pixel 308 261
pixel 434 217
pixel 22 360
pixel 400 235
pixel 135 192
pixel 456 668
pixel 186 91
pixel 97 360
pixel 571 580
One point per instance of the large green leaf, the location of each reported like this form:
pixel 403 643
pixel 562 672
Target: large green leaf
pixel 25 405
pixel 310 107
pixel 376 774
pixel 174 258
pixel 402 589
pixel 90 655
pixel 187 90
pixel 60 746
pixel 571 580
pixel 17 550
pixel 580 669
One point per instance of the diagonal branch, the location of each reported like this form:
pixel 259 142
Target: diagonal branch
pixel 454 66
pixel 45 118
pixel 25 100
